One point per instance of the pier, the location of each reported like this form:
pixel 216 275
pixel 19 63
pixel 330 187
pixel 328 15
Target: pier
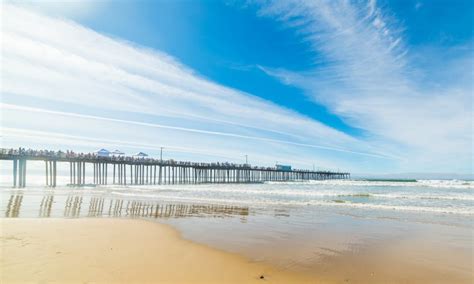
pixel 91 169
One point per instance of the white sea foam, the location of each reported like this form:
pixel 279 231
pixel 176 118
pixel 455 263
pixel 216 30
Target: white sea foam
pixel 461 197
pixel 459 184
pixel 308 190
pixel 296 203
pixel 309 193
pixel 460 211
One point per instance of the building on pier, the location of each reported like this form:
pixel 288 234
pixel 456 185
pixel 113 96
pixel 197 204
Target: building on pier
pixel 285 168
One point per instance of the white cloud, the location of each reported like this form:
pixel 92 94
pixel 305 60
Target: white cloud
pixel 370 82
pixel 67 85
pixel 76 9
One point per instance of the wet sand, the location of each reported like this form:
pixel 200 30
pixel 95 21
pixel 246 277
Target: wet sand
pixel 120 251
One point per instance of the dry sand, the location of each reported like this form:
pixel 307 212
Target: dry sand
pixel 120 251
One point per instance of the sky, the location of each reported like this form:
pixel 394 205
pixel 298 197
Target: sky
pixel 360 86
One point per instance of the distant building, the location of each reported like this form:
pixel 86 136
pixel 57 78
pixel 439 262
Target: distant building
pixel 285 168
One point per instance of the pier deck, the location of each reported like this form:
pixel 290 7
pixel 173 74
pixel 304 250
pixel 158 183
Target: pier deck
pixel 126 170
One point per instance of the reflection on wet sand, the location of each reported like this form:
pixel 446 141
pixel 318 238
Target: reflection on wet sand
pixel 96 207
pixel 46 205
pixel 72 207
pixel 144 209
pixel 130 208
pixel 13 206
pixel 104 207
pixel 281 213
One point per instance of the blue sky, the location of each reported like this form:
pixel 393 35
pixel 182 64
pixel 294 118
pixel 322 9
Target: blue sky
pixel 366 86
pixel 223 42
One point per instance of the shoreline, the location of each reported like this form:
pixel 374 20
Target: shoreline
pixel 119 251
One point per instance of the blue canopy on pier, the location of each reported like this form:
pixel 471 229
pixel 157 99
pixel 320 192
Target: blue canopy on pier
pixel 102 153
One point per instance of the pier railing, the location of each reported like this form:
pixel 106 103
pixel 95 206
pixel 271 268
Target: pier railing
pixel 130 170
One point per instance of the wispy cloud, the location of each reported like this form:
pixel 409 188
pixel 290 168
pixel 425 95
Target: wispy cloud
pixel 65 83
pixel 131 123
pixel 364 74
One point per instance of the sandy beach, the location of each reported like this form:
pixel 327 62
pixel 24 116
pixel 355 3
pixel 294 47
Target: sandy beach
pixel 120 251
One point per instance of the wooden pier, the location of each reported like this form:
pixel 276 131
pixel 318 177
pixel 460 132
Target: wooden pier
pixel 124 170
